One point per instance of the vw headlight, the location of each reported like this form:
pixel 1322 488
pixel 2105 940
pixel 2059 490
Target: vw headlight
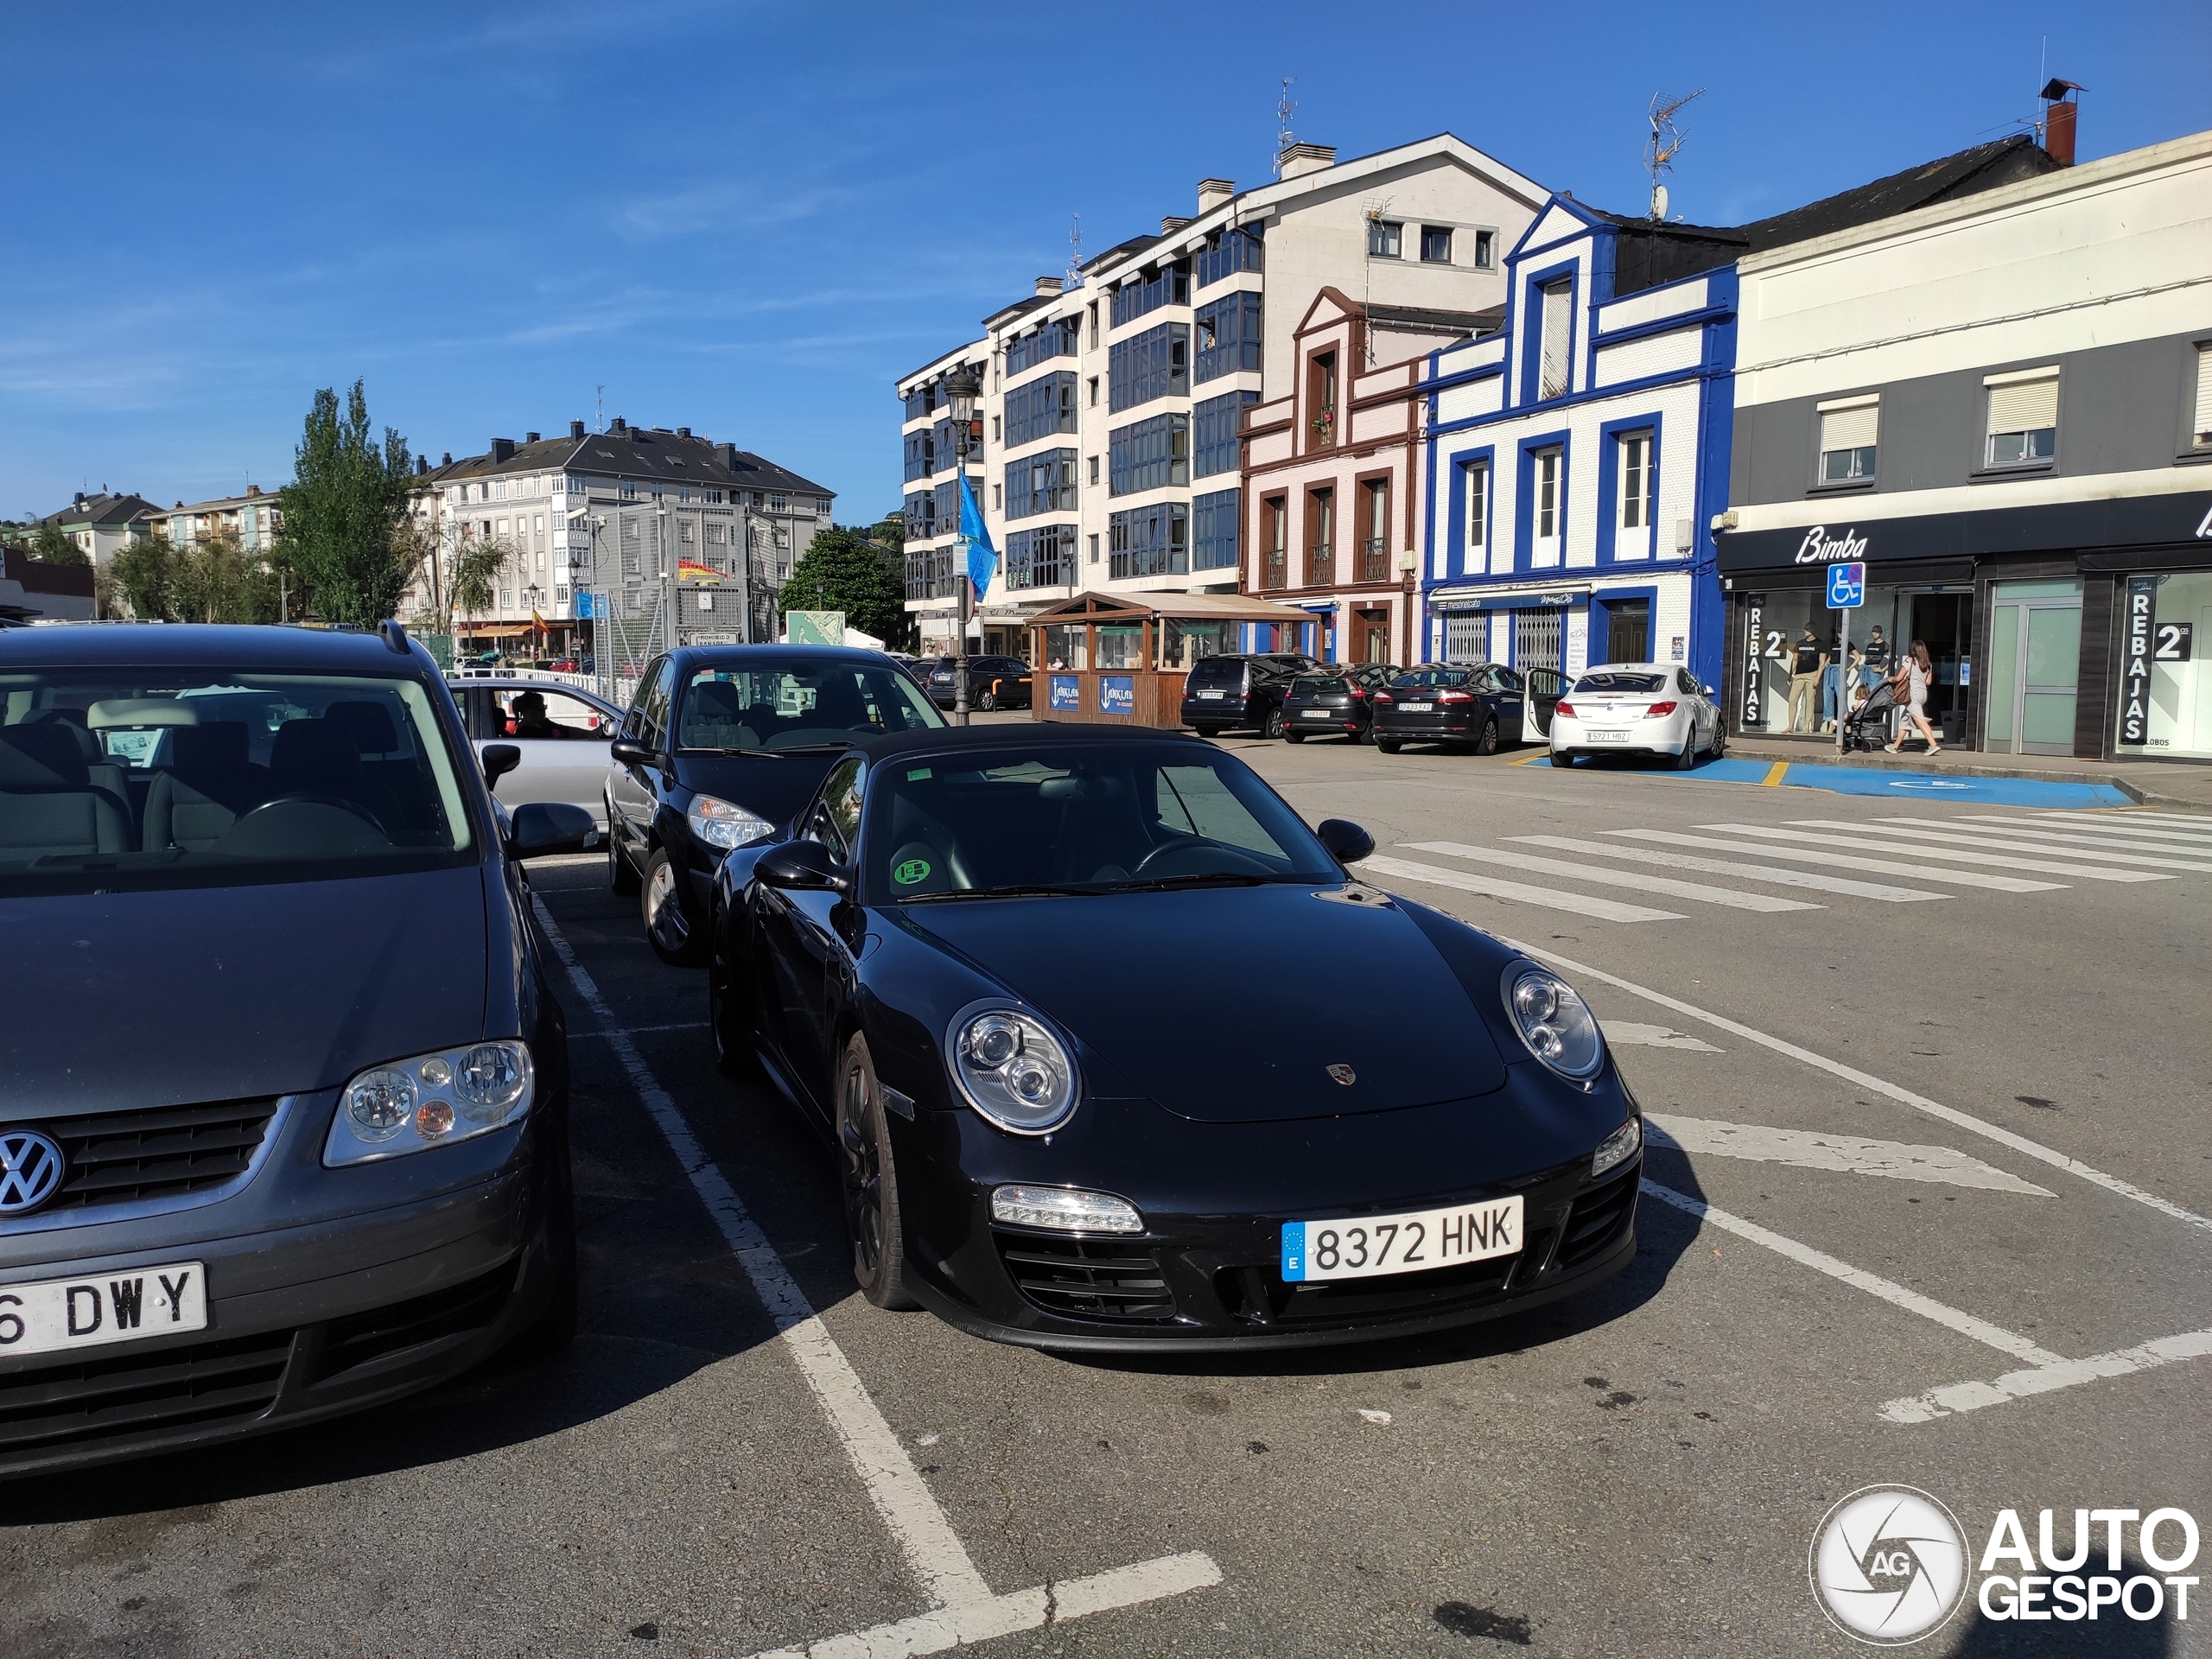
pixel 1553 1021
pixel 724 823
pixel 1012 1068
pixel 432 1100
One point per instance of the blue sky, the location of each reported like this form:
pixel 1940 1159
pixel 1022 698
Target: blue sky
pixel 749 219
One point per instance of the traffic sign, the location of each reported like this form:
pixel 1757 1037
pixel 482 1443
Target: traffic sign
pixel 1847 587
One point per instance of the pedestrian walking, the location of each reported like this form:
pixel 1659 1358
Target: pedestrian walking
pixel 1805 681
pixel 1914 675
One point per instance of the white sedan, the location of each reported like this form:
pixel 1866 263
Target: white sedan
pixel 1637 709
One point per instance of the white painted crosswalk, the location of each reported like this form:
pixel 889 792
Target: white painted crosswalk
pixel 2113 832
pixel 1938 857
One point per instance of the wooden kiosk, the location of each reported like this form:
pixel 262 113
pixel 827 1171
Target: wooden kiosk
pixel 1120 659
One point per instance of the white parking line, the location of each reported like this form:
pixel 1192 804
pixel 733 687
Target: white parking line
pixel 1820 1149
pixel 2006 1342
pixel 964 1608
pixel 1851 1074
pixel 1605 910
pixel 1731 898
pixel 1862 842
pixel 1847 861
pixel 1622 1032
pixel 2066 1374
pixel 1805 879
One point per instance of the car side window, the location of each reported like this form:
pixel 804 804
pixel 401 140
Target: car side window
pixel 635 724
pixel 1684 683
pixel 836 821
pixel 547 716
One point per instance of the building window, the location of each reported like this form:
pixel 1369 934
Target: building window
pixel 1055 338
pixel 1635 481
pixel 1151 540
pixel 1274 565
pixel 1148 454
pixel 1094 549
pixel 947 496
pixel 1227 252
pixel 1436 244
pixel 996 500
pixel 1213 531
pixel 1039 408
pixel 920 518
pixel 1321 538
pixel 1091 310
pixel 1040 558
pixel 1559 338
pixel 561 597
pixel 1375 546
pixel 1849 427
pixel 1229 337
pixel 1169 285
pixel 1548 495
pixel 1321 401
pixel 1384 237
pixel 2200 425
pixel 1093 469
pixel 778 504
pixel 2023 418
pixel 1217 426
pixel 1477 511
pixel 1154 364
pixel 921 402
pixel 1485 250
pixel 1041 483
pixel 998 432
pixel 1094 392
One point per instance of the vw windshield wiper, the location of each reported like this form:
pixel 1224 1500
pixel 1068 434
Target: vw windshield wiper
pixel 1036 891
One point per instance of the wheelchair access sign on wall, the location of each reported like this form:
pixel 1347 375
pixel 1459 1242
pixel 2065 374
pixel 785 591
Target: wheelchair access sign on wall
pixel 1847 587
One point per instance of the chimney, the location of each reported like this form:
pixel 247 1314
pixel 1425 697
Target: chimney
pixel 530 437
pixel 2058 119
pixel 576 429
pixel 421 464
pixel 446 459
pixel 253 489
pixel 502 449
pixel 1298 160
pixel 1214 192
pixel 1048 285
pixel 80 500
pixel 682 431
pixel 619 426
pixel 1169 223
pixel 727 453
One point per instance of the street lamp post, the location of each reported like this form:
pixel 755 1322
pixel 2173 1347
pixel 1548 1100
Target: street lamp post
pixel 963 387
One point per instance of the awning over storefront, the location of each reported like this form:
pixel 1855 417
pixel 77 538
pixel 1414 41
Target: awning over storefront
pixel 1840 536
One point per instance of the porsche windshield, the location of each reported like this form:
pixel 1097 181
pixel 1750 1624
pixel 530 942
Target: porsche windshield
pixel 1089 817
pixel 130 779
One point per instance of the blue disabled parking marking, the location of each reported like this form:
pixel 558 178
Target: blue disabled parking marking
pixel 1907 786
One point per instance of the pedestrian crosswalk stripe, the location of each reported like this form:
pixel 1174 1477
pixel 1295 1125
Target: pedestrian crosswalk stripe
pixel 1756 872
pixel 1605 910
pixel 1861 842
pixel 2103 831
pixel 1849 861
pixel 2151 854
pixel 1728 897
pixel 1967 835
pixel 2198 823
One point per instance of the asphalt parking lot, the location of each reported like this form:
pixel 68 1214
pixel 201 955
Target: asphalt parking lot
pixel 1932 1129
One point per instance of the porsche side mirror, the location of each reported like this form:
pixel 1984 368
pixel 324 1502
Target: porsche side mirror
pixel 1347 842
pixel 537 828
pixel 499 760
pixel 628 752
pixel 802 866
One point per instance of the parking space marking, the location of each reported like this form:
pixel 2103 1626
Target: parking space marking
pixel 1604 910
pixel 1665 886
pixel 1623 1033
pixel 962 1606
pixel 2007 1342
pixel 2042 1379
pixel 1844 1153
pixel 1904 1096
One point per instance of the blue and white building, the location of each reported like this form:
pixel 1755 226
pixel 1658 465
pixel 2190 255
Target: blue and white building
pixel 1576 457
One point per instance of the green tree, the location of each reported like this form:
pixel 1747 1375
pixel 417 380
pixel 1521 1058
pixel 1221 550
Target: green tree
pixel 844 570
pixel 50 545
pixel 142 572
pixel 346 500
pixel 212 581
pixel 475 565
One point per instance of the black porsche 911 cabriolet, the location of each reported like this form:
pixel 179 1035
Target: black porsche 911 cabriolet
pixel 979 964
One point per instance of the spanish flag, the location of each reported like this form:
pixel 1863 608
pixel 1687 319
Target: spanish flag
pixel 538 623
pixel 695 570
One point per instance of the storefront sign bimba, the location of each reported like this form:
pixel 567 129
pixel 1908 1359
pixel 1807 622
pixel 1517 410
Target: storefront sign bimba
pixel 1817 549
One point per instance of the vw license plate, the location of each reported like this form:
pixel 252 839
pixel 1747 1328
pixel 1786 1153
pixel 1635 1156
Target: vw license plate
pixel 1418 707
pixel 1606 737
pixel 51 1315
pixel 1366 1246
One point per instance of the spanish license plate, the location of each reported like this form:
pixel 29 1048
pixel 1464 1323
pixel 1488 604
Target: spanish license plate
pixel 1363 1247
pixel 1418 707
pixel 52 1314
pixel 1212 695
pixel 1314 713
pixel 1606 737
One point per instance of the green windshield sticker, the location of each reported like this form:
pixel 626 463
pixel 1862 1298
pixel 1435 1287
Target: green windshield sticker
pixel 920 775
pixel 912 871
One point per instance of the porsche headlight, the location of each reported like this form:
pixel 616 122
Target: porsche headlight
pixel 1618 1148
pixel 432 1100
pixel 724 823
pixel 1012 1068
pixel 1553 1021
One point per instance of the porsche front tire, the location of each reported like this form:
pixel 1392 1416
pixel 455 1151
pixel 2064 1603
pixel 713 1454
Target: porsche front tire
pixel 873 1227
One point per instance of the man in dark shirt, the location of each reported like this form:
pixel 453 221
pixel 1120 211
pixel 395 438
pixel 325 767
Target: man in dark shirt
pixel 1874 659
pixel 1805 680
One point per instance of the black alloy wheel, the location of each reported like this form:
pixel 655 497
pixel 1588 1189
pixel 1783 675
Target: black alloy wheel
pixel 1273 727
pixel 1719 749
pixel 988 702
pixel 668 928
pixel 871 1183
pixel 1487 743
pixel 621 876
pixel 1687 758
pixel 1562 758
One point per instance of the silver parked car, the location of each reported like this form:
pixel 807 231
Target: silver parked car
pixel 560 731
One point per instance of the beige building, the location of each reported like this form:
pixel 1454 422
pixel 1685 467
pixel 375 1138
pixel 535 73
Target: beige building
pixel 253 518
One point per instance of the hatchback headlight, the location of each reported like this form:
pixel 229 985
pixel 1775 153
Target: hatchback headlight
pixel 724 823
pixel 1555 1022
pixel 432 1100
pixel 1012 1068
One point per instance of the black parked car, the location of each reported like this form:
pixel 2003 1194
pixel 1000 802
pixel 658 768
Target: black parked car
pixel 284 1105
pixel 993 682
pixel 1334 701
pixel 1221 692
pixel 1479 708
pixel 721 745
pixel 1038 1146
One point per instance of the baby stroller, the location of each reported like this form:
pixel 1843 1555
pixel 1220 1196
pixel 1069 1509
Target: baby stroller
pixel 1867 727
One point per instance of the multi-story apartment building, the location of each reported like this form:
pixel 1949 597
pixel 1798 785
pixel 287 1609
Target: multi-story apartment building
pixel 99 524
pixel 2002 405
pixel 1113 408
pixel 253 520
pixel 650 534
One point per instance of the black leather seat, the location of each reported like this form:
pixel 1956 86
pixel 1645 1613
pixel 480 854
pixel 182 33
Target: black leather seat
pixel 50 804
pixel 208 784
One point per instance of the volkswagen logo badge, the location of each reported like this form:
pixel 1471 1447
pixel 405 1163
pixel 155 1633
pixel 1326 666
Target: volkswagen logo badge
pixel 30 1169
pixel 1343 1074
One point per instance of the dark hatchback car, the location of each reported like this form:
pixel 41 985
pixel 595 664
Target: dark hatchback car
pixel 1335 703
pixel 1480 708
pixel 1038 1146
pixel 1222 692
pixel 993 682
pixel 283 1084
pixel 722 744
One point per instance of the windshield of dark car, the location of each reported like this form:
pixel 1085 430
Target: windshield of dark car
pixel 1641 684
pixel 798 705
pixel 1422 678
pixel 138 778
pixel 1217 673
pixel 1088 817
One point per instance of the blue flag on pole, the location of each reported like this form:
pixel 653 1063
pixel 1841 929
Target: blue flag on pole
pixel 976 537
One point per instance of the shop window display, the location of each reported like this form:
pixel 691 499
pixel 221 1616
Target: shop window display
pixel 2164 690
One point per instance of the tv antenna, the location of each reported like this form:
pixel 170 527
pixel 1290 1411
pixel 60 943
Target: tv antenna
pixel 1285 108
pixel 1659 150
pixel 600 393
pixel 1075 250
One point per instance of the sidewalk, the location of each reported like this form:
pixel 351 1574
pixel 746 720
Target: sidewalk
pixel 2148 783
